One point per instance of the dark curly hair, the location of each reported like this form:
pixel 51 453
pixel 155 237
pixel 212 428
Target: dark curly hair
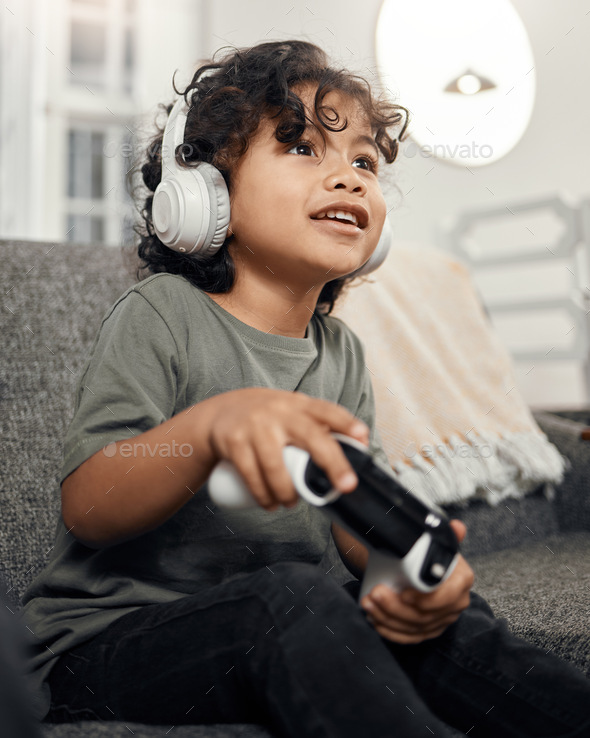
pixel 227 99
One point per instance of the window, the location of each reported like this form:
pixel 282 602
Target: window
pixel 86 186
pixel 88 53
pixel 102 49
pixel 85 229
pixel 85 164
pixel 103 46
pixel 128 60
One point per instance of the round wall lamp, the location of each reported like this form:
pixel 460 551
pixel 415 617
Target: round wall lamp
pixel 464 69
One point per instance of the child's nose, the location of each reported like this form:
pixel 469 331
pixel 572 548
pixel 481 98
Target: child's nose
pixel 344 177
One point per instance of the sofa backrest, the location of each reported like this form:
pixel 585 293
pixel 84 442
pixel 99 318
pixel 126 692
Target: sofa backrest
pixel 54 297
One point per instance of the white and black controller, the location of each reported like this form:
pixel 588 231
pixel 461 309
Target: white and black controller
pixel 410 545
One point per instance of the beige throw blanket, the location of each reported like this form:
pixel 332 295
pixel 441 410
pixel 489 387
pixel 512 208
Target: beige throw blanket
pixel 452 421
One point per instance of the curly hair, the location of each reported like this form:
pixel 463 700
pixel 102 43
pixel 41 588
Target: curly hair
pixel 227 99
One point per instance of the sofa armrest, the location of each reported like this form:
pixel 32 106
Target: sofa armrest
pixel 572 499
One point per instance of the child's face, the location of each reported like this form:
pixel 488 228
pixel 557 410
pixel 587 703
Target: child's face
pixel 281 195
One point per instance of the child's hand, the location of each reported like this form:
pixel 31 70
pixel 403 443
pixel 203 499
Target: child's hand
pixel 412 616
pixel 250 428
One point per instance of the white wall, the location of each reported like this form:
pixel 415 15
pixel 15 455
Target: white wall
pixel 166 45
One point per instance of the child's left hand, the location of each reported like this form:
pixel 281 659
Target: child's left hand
pixel 410 616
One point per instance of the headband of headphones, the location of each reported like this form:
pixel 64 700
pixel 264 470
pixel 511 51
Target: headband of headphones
pixel 191 208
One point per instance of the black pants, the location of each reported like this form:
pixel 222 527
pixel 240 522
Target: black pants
pixel 16 705
pixel 291 649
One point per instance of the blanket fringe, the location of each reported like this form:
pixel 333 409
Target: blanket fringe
pixel 485 467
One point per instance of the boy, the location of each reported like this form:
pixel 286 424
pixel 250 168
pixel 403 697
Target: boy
pixel 159 609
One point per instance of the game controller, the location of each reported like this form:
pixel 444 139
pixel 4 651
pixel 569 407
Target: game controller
pixel 410 544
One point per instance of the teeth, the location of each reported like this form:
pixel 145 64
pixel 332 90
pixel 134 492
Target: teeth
pixel 340 214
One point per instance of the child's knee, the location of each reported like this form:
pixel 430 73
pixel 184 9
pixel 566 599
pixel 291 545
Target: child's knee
pixel 299 578
pixel 294 585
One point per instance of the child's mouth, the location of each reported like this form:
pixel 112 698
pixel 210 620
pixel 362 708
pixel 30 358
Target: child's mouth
pixel 334 226
pixel 342 217
pixel 339 215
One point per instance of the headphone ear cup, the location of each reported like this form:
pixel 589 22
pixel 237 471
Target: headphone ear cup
pixel 219 204
pixel 380 254
pixel 191 210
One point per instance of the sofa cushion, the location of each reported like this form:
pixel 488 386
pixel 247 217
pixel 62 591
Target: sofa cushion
pixel 507 524
pixel 54 298
pixel 542 589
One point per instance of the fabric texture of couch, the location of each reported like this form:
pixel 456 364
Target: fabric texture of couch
pixel 531 556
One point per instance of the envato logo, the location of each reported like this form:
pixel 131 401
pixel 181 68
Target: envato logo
pixel 143 450
pixel 463 451
pixel 126 149
pixel 471 150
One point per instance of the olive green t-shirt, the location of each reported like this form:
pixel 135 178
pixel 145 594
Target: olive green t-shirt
pixel 163 346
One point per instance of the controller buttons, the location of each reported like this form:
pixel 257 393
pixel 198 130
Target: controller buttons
pixel 436 562
pixel 437 571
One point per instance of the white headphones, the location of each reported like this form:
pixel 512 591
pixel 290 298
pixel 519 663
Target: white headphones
pixel 191 208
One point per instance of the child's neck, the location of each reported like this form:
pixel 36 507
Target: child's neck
pixel 267 309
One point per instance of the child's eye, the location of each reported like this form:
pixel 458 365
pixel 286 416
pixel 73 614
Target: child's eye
pixel 365 162
pixel 302 149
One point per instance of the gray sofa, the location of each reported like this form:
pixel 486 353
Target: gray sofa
pixel 531 556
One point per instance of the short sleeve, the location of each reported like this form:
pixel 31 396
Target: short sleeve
pixel 129 384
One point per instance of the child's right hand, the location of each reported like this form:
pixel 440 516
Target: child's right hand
pixel 253 425
pixel 411 617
